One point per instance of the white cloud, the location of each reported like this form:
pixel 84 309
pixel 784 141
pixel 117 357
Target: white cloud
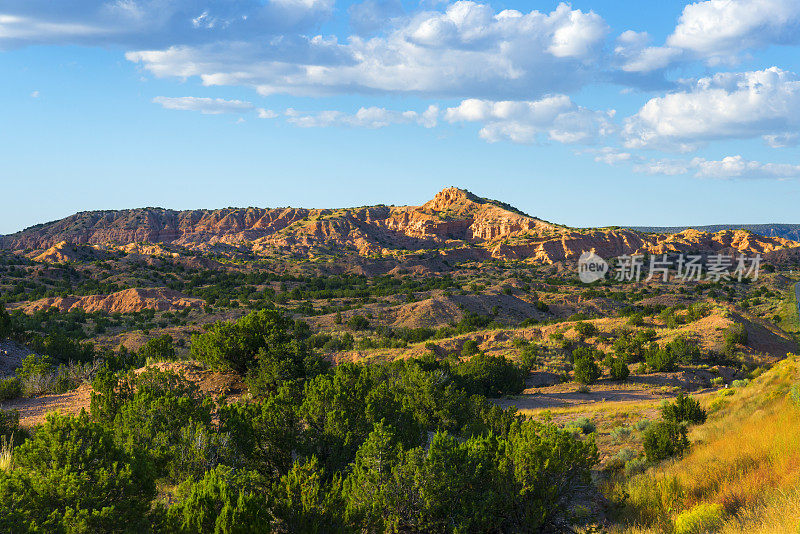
pixel 668 167
pixel 35 94
pixel 152 23
pixel 207 106
pixel 715 31
pixel 555 117
pixel 465 50
pixel 726 105
pixel 738 167
pixel 719 29
pixel 372 117
pixel 727 168
pixel 266 113
pixel 782 140
pixel 610 155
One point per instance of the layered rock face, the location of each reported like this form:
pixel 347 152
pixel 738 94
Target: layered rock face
pixel 454 220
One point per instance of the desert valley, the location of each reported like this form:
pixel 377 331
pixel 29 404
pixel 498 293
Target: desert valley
pixel 307 340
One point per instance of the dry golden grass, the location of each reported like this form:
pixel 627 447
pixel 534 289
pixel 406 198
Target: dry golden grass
pixel 746 459
pixel 6 445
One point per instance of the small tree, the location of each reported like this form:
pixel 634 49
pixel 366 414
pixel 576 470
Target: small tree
pixel 469 348
pixel 619 369
pixel 358 322
pixel 586 370
pixel 158 348
pixel 665 439
pixel 684 410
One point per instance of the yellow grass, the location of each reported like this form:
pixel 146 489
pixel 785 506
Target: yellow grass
pixel 5 452
pixel 746 459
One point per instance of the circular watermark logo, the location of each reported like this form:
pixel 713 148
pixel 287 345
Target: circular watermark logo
pixel 591 267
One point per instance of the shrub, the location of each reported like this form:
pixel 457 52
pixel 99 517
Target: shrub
pixel 9 422
pixel 235 345
pixel 660 358
pixel 635 466
pixel 10 388
pixel 621 433
pixel 586 370
pixel 6 325
pixel 469 348
pixel 663 440
pixel 158 348
pixel 491 376
pixel 71 477
pixel 358 322
pixel 736 334
pixel 685 409
pixel 585 425
pixel 701 519
pixel 586 329
pixel 619 369
pixel 222 501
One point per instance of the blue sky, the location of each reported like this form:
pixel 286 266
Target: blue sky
pixel 571 112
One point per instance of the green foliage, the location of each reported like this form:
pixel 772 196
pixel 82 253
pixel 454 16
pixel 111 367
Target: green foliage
pixel 664 439
pixel 736 334
pixel 584 424
pixel 684 410
pixel 236 345
pixel 358 322
pixel 6 325
pixel 158 348
pixel 10 388
pixel 619 369
pixel 152 419
pixel 9 422
pixel 222 501
pixel 491 376
pixel 586 370
pixel 705 517
pixel 71 477
pixel 469 348
pixel 586 330
pixel 660 358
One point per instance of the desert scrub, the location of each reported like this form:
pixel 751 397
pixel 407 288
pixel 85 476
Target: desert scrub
pixel 665 439
pixel 652 499
pixel 584 424
pixel 10 388
pixel 702 519
pixel 684 410
pixel 620 434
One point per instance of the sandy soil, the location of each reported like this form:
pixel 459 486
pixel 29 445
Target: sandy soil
pixel 33 411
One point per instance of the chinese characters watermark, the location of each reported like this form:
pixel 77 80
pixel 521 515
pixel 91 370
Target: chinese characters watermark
pixel 685 267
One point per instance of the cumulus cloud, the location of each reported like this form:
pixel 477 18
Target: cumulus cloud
pixel 715 31
pixel 719 29
pixel 727 168
pixel 726 105
pixel 556 117
pixel 371 117
pixel 465 50
pixel 206 106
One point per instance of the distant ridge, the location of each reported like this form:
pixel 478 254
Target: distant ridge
pixel 786 231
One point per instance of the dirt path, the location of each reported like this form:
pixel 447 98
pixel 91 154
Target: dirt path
pixel 32 411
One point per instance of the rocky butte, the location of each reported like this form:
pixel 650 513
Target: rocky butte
pixel 457 224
